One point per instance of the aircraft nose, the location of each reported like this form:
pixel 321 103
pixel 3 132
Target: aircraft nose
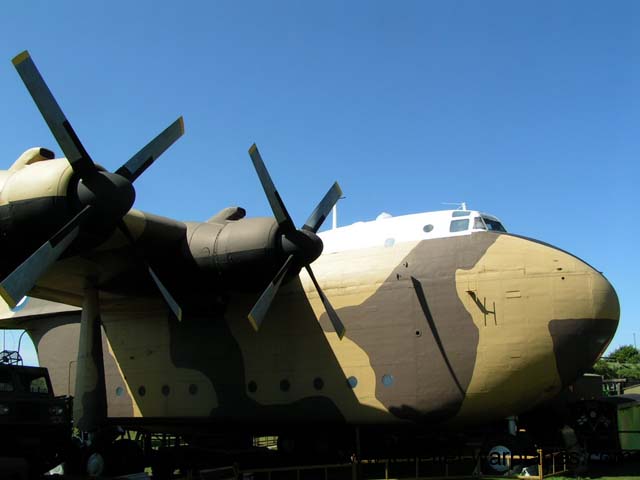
pixel 584 323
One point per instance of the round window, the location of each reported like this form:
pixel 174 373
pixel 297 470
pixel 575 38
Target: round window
pixel 427 228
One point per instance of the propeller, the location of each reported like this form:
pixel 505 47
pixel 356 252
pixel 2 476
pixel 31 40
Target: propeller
pixel 302 245
pixel 104 197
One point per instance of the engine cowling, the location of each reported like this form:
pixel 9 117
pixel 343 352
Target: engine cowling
pixel 241 254
pixel 33 198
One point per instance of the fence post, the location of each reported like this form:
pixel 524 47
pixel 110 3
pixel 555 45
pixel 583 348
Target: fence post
pixel 540 464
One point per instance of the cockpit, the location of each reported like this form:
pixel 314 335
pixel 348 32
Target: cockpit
pixel 387 231
pixel 464 220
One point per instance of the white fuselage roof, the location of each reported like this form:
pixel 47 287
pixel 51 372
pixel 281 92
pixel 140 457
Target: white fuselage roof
pixel 387 231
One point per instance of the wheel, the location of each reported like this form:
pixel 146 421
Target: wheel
pixel 124 457
pixel 507 453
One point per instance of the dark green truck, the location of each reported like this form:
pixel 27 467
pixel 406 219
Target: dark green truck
pixel 35 425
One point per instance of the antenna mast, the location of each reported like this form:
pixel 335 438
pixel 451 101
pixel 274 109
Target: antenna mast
pixel 334 223
pixel 334 210
pixel 460 205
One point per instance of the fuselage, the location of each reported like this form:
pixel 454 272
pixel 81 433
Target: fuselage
pixel 451 327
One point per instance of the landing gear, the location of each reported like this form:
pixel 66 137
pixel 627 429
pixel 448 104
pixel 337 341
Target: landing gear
pixel 123 457
pixel 509 452
pixel 106 452
pixel 316 447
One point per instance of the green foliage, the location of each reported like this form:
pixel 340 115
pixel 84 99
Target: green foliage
pixel 606 369
pixel 626 354
pixel 624 362
pixel 629 371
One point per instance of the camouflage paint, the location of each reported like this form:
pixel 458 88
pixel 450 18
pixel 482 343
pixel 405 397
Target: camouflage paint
pixel 504 357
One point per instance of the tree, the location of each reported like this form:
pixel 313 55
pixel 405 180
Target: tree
pixel 623 362
pixel 626 354
pixel 605 369
pixel 629 372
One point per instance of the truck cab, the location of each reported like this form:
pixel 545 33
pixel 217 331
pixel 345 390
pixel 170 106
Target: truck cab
pixel 34 424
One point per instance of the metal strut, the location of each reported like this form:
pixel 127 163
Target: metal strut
pixel 90 403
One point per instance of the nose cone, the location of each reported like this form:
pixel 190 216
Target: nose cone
pixel 580 337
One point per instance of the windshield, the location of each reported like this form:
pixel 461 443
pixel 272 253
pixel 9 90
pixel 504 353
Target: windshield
pixel 493 225
pixel 34 382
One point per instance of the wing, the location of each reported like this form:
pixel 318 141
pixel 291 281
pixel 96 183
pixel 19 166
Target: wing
pixel 31 310
pixel 120 266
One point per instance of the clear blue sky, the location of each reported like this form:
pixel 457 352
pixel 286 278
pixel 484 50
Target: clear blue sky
pixel 527 110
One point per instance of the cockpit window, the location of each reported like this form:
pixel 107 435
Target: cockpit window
pixel 478 224
pixel 459 225
pixel 493 225
pixel 460 213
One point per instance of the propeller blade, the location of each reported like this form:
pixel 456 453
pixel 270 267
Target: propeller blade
pixel 277 205
pixel 18 283
pixel 260 309
pixel 315 221
pixel 142 160
pixel 333 316
pixel 166 295
pixel 52 113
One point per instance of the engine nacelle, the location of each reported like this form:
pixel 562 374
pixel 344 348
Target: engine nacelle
pixel 242 254
pixel 33 196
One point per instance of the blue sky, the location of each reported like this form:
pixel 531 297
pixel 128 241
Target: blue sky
pixel 527 110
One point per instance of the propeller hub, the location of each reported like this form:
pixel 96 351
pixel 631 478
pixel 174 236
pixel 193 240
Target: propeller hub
pixel 110 194
pixel 304 245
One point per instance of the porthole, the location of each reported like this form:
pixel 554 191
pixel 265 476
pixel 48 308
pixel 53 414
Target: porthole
pixel 119 391
pixel 352 382
pixel 418 333
pixel 427 228
pixel 193 389
pixel 142 391
pixel 387 380
pixel 252 387
pixel 285 385
pixel 318 383
pixel 165 390
pixel 389 242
